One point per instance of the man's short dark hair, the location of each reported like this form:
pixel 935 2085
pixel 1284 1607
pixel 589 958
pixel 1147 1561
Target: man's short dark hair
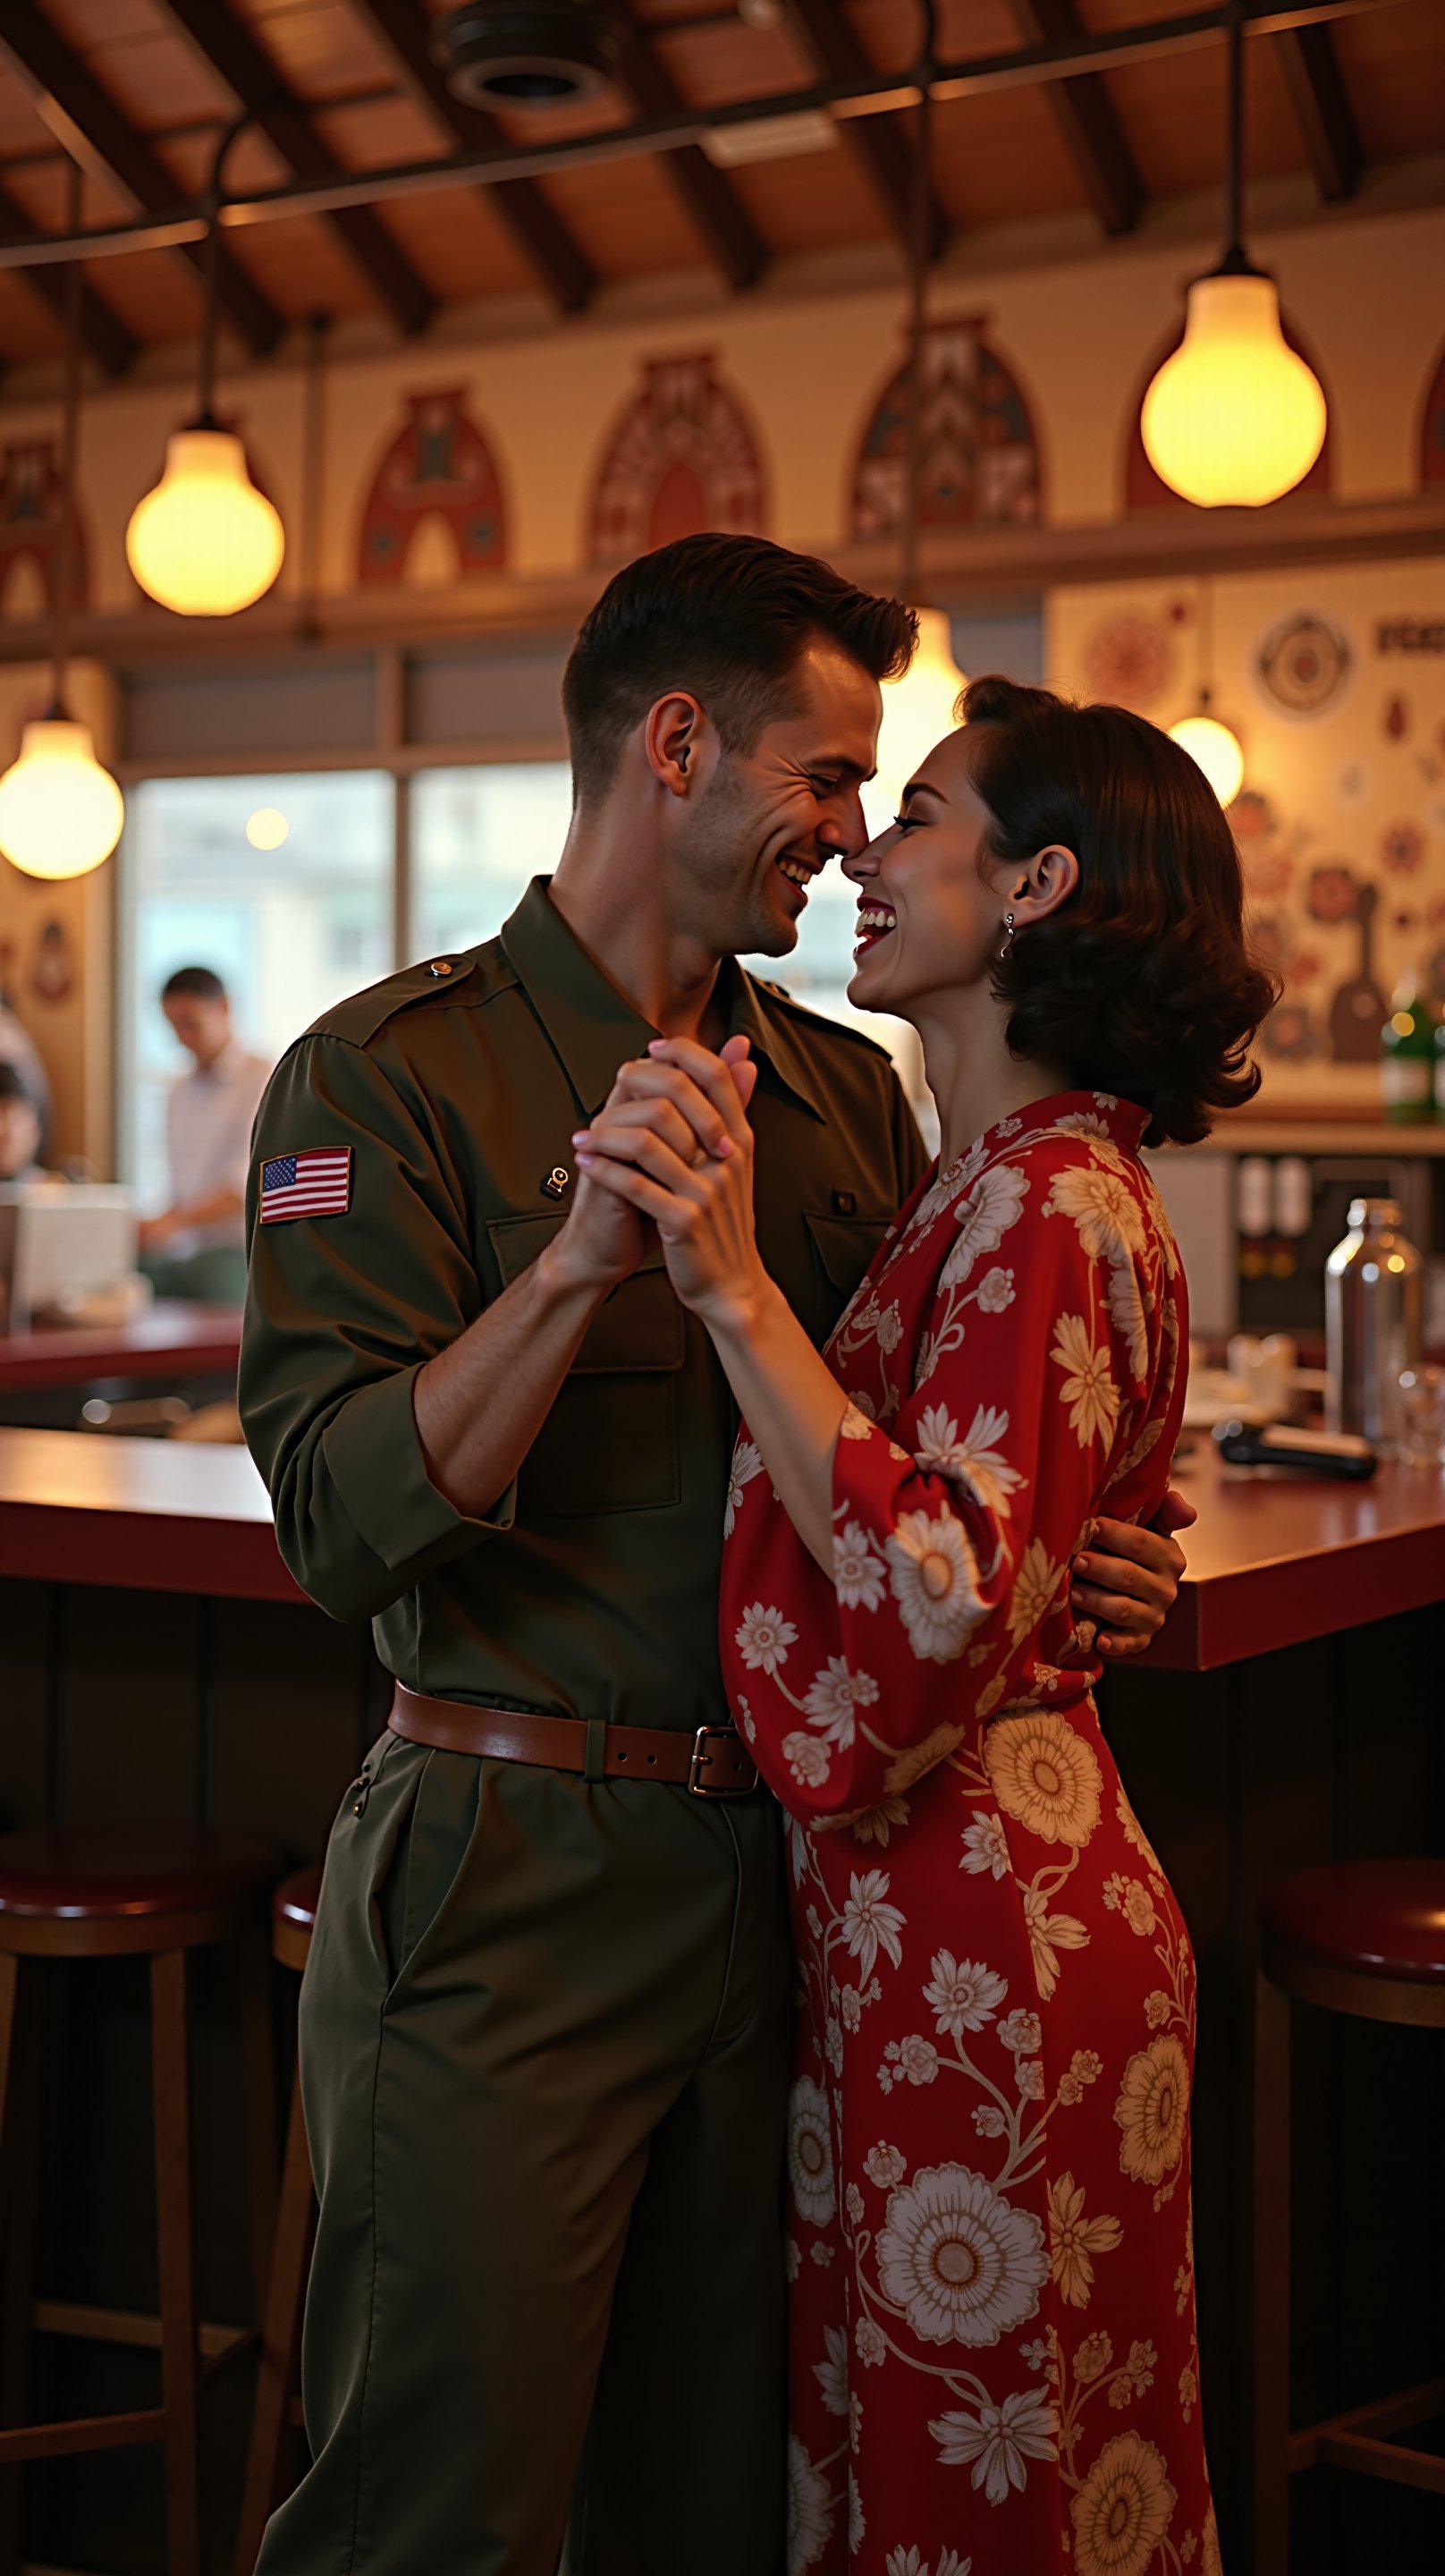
pixel 193 983
pixel 728 619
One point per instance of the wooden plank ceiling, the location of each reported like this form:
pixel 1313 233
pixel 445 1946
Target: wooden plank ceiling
pixel 141 90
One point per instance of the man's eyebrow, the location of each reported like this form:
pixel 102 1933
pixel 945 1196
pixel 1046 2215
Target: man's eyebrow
pixel 845 767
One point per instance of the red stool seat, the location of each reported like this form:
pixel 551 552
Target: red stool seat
pixel 83 1891
pixel 1367 1918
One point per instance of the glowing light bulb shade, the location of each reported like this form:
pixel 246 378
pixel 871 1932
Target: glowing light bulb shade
pixel 267 828
pixel 917 713
pixel 1234 416
pixel 205 542
pixel 60 812
pixel 1215 750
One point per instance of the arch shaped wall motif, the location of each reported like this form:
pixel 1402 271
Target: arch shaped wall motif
pixel 1432 429
pixel 30 522
pixel 1145 490
pixel 438 466
pixel 979 453
pixel 683 457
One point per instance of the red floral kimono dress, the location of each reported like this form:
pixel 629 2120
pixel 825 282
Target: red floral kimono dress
pixel 994 2355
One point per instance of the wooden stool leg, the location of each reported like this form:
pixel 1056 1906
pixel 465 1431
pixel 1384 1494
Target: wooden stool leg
pixel 291 2263
pixel 171 2095
pixel 258 2061
pixel 1271 2279
pixel 19 2177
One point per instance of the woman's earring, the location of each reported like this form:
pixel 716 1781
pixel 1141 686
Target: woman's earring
pixel 1007 949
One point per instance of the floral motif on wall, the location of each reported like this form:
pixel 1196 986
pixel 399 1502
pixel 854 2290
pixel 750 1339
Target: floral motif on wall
pixel 979 455
pixel 1130 661
pixel 1304 664
pixel 683 457
pixel 30 528
pixel 439 469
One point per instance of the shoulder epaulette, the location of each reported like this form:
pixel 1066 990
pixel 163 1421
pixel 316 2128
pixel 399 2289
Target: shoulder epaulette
pixel 478 972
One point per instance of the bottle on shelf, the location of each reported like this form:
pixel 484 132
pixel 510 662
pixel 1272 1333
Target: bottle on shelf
pixel 1373 1283
pixel 1408 1055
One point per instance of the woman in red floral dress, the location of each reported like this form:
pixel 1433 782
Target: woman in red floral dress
pixel 994 2356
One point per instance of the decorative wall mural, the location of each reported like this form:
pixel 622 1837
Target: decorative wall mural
pixel 438 468
pixel 30 525
pixel 1304 664
pixel 1432 429
pixel 1144 489
pixel 979 457
pixel 684 457
pixel 1130 661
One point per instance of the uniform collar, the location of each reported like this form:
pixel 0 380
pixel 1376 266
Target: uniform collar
pixel 594 1027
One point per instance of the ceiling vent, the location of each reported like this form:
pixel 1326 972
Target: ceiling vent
pixel 527 53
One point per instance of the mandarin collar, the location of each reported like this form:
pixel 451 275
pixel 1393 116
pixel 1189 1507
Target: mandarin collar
pixel 594 1027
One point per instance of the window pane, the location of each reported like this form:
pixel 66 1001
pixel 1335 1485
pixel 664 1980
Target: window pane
pixel 289 930
pixel 478 836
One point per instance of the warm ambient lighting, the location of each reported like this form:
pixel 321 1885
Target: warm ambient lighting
pixel 1215 750
pixel 267 828
pixel 918 709
pixel 1234 416
pixel 205 542
pixel 60 812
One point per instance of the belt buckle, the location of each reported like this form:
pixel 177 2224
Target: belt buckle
pixel 698 1787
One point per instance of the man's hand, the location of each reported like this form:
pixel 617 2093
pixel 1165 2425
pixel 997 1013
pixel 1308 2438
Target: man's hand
pixel 1126 1580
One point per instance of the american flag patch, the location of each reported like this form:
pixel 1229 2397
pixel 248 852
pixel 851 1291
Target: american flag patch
pixel 316 1184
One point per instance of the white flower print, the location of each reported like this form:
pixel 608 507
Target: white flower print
pixel 1030 2074
pixel 808 1758
pixel 985 1847
pixel 884 2165
pixel 916 2058
pixel 889 1328
pixel 868 1924
pixel 995 1292
pixel 810 2517
pixel 870 2343
pixel 963 1994
pixel 832 2374
pixel 962 2263
pixel 856 1424
pixel 1109 1218
pixel 983 1219
pixel 975 1462
pixel 747 1463
pixel 1082 1122
pixel 989 2120
pixel 763 1638
pixel 792 2260
pixel 810 2152
pixel 850 2012
pixel 832 1696
pixel 1035 1588
pixel 857 2527
pixel 1023 2032
pixel 934 1576
pixel 1088 1389
pixel 858 1575
pixel 1126 1313
pixel 942 1192
pixel 998 2440
pixel 904 2562
pixel 853 2203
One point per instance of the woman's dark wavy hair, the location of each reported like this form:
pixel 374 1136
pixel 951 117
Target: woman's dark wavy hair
pixel 1142 983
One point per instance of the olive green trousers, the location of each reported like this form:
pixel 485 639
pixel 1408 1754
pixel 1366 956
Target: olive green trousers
pixel 544 2045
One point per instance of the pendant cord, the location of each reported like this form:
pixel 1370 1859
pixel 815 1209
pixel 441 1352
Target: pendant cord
pixel 65 552
pixel 313 465
pixel 919 247
pixel 211 275
pixel 1234 183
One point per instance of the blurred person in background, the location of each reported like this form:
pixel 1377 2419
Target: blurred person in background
pixel 19 1050
pixel 21 1126
pixel 196 1247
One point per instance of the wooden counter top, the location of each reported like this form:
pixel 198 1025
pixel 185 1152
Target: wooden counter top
pixel 168 1340
pixel 1275 1559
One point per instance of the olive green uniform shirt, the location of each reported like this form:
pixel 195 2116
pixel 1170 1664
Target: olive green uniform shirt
pixel 591 1589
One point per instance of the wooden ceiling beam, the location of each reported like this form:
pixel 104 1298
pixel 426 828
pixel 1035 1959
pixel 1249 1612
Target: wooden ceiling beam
pixel 230 50
pixel 881 145
pixel 1087 119
pixel 1321 102
pixel 551 252
pixel 102 331
pixel 88 121
pixel 729 234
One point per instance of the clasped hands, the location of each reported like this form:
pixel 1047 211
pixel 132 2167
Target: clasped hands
pixel 674 1144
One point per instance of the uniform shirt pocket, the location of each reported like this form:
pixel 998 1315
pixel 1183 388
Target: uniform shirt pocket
pixel 610 1442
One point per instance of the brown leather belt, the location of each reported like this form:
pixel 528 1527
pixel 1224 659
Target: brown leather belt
pixel 713 1763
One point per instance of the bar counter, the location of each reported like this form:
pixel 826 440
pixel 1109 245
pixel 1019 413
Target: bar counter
pixel 167 1340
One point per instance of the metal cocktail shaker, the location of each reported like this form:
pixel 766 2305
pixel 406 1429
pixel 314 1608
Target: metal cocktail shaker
pixel 1372 1321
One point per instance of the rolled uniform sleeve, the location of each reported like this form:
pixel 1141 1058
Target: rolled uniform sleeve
pixel 342 1312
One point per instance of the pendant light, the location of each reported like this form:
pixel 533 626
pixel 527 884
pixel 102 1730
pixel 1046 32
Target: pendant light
pixel 1210 744
pixel 204 541
pixel 918 708
pixel 60 812
pixel 1234 416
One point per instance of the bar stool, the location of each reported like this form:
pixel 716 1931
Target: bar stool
pixel 1359 1937
pixel 102 1895
pixel 278 2409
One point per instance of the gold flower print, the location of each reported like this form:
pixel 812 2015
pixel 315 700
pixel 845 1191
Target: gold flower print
pixel 1045 1775
pixel 1122 2510
pixel 1153 2110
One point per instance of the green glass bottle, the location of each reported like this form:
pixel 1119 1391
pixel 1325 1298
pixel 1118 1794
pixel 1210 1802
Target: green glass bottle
pixel 1407 1055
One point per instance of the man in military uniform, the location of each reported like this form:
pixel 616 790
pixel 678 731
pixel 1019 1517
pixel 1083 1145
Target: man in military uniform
pixel 545 2023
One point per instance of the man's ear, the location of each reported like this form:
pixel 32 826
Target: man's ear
pixel 671 739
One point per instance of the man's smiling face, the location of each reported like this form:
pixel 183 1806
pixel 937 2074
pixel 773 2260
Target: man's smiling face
pixel 770 818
